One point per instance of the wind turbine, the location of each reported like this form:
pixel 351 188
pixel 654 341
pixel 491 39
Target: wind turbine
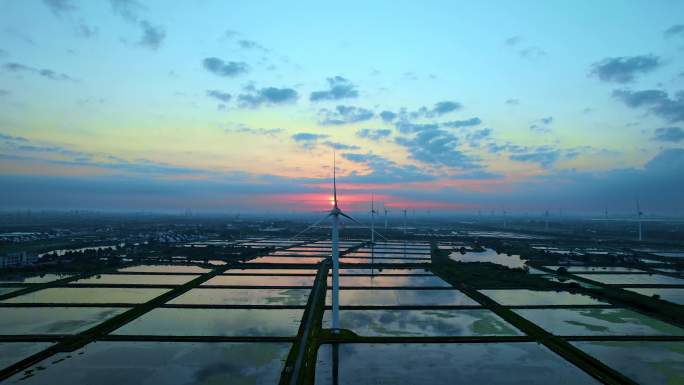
pixel 546 223
pixel 639 215
pixel 372 213
pixel 386 211
pixel 335 214
pixel 404 210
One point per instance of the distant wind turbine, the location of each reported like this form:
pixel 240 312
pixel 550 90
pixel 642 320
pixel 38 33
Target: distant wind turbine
pixel 639 215
pixel 372 213
pixel 404 210
pixel 546 223
pixel 386 211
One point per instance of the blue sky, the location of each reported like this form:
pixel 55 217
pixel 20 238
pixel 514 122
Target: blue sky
pixel 224 106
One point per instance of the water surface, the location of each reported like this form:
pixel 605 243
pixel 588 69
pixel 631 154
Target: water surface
pixel 538 297
pixel 284 259
pixel 613 269
pixel 88 295
pixel 272 271
pixel 164 269
pixel 423 323
pixel 378 297
pixel 391 281
pixel 589 322
pixel 52 320
pixel 243 297
pixel 482 363
pixel 137 279
pixel 352 260
pixel 383 271
pixel 261 280
pixel 648 363
pixel 32 278
pixel 6 290
pixel 216 322
pixel 489 255
pixel 313 253
pixel 671 295
pixel 629 279
pixel 12 352
pixel 174 363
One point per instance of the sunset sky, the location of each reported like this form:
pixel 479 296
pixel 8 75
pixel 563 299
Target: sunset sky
pixel 237 106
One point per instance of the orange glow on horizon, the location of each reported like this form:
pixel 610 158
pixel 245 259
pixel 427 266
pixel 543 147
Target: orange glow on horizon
pixel 352 202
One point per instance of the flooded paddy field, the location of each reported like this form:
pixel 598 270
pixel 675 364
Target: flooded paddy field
pixel 391 297
pixel 372 261
pixel 287 260
pixel 43 278
pixel 423 323
pixel 592 269
pixel 633 279
pixel 266 271
pixel 671 271
pixel 384 271
pixel 663 252
pixel 522 297
pixel 300 253
pixel 216 322
pixel 387 255
pixel 260 280
pixel 88 295
pixel 670 295
pixel 591 322
pixel 164 269
pixel 77 295
pixel 497 363
pixel 207 296
pixel 564 280
pixel 403 323
pixel 9 289
pixel 52 320
pixel 161 363
pixel 136 279
pixel 489 255
pixel 11 352
pixel 391 281
pixel 648 363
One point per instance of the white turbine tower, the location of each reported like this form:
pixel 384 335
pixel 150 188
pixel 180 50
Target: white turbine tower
pixel 404 221
pixel 334 214
pixel 546 222
pixel 386 211
pixel 639 215
pixel 372 213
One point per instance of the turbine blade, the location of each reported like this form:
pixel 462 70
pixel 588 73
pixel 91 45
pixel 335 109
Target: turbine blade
pixel 310 227
pixel 334 180
pixel 379 235
pixel 350 218
pixel 360 224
